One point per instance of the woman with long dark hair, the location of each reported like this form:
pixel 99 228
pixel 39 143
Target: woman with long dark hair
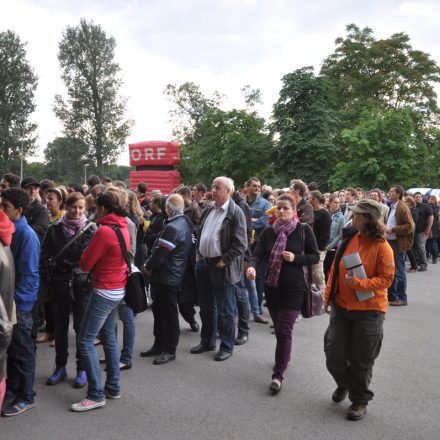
pixel 63 294
pixel 353 338
pixel 288 246
pixel 104 258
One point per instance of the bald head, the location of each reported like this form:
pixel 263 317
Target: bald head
pixel 222 189
pixel 174 205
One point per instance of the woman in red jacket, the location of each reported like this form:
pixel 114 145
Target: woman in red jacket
pixel 103 257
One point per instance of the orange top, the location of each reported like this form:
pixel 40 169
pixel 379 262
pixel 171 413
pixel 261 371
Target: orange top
pixel 378 260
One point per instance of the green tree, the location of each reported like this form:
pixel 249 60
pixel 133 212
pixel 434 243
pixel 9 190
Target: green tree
pixel 306 126
pixel 94 111
pixel 17 86
pixel 365 72
pixel 378 152
pixel 61 154
pixel 232 143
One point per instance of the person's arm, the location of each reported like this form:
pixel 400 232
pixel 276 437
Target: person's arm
pixel 324 232
pixel 384 272
pixel 238 237
pixel 166 243
pixel 46 254
pixel 311 252
pixel 262 221
pixel 96 248
pixel 334 243
pixel 28 279
pixel 429 222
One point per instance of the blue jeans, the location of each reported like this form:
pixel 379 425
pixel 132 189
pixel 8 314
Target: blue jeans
pixel 253 296
pixel 100 317
pixel 127 317
pixel 217 306
pixel 398 288
pixel 21 359
pixel 241 296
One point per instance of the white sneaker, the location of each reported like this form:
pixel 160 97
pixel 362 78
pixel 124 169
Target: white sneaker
pixel 86 405
pixel 298 319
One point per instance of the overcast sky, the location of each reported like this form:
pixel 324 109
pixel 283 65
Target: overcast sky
pixel 220 45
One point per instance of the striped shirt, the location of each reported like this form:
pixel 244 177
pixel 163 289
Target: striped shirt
pixel 111 294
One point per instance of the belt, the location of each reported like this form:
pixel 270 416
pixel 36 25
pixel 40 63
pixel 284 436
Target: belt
pixel 213 260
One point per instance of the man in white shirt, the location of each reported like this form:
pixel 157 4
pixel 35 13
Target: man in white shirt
pixel 220 249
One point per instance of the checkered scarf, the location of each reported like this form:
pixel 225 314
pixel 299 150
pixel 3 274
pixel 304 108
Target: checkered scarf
pixel 276 256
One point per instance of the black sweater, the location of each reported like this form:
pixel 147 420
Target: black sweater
pixel 321 227
pixel 292 285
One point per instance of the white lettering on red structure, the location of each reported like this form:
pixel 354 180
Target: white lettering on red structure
pixel 149 154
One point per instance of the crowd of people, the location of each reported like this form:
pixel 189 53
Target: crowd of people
pixel 230 252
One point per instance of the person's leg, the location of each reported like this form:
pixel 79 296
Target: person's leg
pixel 284 321
pixel 242 300
pixel 336 346
pixel 169 318
pixel 111 350
pixel 318 272
pixel 253 296
pixel 2 391
pixel 21 359
pixel 158 344
pixel 208 306
pixel 259 283
pixel 412 259
pixel 392 290
pixel 434 250
pixel 187 311
pixel 328 261
pixel 128 334
pixel 61 309
pixel 226 306
pixel 420 242
pixel 98 310
pixel 48 312
pixel 79 309
pixel 365 343
pixel 400 276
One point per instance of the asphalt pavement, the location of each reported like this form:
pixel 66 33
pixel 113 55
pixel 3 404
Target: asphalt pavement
pixel 195 397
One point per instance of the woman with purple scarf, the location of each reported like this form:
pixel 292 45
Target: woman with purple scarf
pixel 287 246
pixel 64 295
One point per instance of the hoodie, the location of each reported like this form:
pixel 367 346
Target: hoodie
pixel 25 248
pixel 7 228
pixel 104 256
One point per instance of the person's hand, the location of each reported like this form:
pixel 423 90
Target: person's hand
pixel 288 256
pixel 328 308
pixel 220 264
pixel 251 273
pixel 349 278
pixel 389 230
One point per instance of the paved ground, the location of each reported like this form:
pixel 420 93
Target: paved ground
pixel 197 398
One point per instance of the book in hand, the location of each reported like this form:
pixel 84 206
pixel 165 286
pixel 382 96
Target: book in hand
pixel 353 264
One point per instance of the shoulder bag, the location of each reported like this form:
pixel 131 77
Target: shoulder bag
pixel 135 293
pixel 313 299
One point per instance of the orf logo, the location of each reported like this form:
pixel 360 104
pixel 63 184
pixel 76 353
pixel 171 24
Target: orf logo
pixel 154 153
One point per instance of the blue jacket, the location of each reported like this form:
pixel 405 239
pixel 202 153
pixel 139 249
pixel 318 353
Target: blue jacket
pixel 25 248
pixel 258 210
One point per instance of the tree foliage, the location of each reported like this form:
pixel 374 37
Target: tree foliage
pixel 17 87
pixel 306 125
pixel 215 142
pixel 93 111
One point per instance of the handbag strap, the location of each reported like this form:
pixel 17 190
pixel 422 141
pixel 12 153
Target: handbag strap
pixel 73 239
pixel 123 246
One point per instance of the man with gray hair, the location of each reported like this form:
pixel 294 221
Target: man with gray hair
pixel 166 266
pixel 221 246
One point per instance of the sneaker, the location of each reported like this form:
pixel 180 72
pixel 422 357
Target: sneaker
pixel 113 395
pixel 356 411
pixel 339 394
pixel 398 302
pixel 298 319
pixel 16 407
pixel 412 269
pixel 275 386
pixel 58 375
pixel 81 379
pixel 86 405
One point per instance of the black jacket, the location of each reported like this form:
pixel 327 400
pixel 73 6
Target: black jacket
pixel 171 252
pixel 69 259
pixel 37 217
pixel 321 227
pixel 7 287
pixel 233 241
pixel 241 202
pixel 153 230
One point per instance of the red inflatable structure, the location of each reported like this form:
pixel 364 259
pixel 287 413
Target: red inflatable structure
pixel 154 162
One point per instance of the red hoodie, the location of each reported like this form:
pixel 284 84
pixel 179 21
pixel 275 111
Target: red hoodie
pixel 104 255
pixel 7 228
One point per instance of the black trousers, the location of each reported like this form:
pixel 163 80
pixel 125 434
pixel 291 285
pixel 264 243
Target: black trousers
pixel 187 311
pixel 166 328
pixel 352 342
pixel 62 303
